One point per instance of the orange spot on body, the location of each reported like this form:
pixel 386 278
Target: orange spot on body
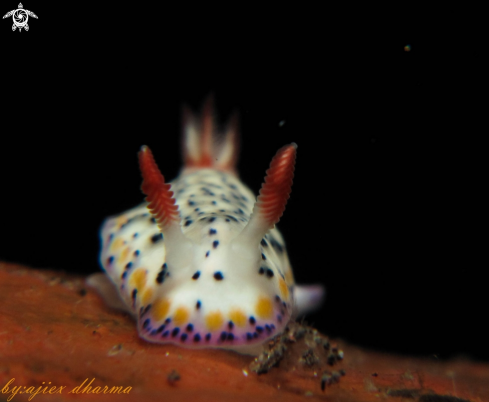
pixel 123 255
pixel 264 308
pixel 289 277
pixel 138 279
pixel 181 316
pixel 147 296
pixel 237 317
pixel 284 289
pixel 117 244
pixel 160 309
pixel 121 221
pixel 214 320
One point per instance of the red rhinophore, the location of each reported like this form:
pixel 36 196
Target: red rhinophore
pixel 275 191
pixel 158 195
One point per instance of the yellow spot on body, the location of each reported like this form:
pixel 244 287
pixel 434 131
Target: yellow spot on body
pixel 214 320
pixel 289 277
pixel 117 244
pixel 123 255
pixel 138 279
pixel 120 221
pixel 181 316
pixel 284 289
pixel 264 308
pixel 160 309
pixel 237 317
pixel 147 296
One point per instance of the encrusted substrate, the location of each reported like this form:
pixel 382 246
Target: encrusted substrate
pixel 52 329
pixel 300 348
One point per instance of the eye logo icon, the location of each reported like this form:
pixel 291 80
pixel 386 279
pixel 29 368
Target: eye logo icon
pixel 20 17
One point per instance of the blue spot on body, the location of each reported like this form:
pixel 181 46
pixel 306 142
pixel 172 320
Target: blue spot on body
pixel 156 238
pixel 276 245
pixel 160 278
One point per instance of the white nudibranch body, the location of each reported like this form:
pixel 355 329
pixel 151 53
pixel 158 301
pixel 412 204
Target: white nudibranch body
pixel 200 263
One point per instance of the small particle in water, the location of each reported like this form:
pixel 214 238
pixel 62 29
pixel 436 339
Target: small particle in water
pixel 407 48
pixel 281 123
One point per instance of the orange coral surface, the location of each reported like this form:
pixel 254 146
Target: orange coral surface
pixel 54 329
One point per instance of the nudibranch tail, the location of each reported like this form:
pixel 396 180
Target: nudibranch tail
pixel 274 193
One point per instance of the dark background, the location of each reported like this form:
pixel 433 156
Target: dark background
pixel 388 204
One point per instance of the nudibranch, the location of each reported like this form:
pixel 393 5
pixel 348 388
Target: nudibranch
pixel 200 263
